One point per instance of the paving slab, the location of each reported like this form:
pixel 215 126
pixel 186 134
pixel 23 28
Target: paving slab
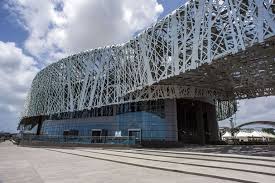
pixel 25 165
pixel 186 161
pixel 237 176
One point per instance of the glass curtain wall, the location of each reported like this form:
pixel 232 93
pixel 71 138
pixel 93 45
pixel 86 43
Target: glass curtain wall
pixel 147 116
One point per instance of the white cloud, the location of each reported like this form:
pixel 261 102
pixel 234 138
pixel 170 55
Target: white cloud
pixel 60 27
pixel 57 28
pixel 16 73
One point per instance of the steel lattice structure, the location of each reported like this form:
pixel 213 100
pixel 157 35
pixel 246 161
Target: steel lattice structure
pixel 200 50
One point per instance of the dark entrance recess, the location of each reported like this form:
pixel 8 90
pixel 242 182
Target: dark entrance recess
pixel 196 122
pixel 187 121
pixel 70 133
pixel 98 134
pixel 136 133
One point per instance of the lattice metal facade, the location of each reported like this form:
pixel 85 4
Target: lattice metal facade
pixel 151 66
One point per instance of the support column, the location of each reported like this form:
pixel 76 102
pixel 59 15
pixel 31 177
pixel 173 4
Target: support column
pixel 200 124
pixel 38 132
pixel 214 128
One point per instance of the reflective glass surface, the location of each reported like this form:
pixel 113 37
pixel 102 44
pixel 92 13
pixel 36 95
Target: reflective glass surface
pixel 149 117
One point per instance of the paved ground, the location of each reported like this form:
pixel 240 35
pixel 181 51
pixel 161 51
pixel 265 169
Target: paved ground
pixel 23 164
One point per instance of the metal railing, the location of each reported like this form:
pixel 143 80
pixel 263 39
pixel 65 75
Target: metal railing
pixel 125 140
pixel 2 139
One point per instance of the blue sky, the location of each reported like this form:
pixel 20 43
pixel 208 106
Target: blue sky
pixel 10 30
pixel 33 34
pixel 170 5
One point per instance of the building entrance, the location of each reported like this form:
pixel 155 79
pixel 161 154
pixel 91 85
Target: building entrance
pixel 97 135
pixel 196 122
pixel 136 134
pixel 187 121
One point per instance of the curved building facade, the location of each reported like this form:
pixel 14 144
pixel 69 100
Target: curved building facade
pixel 172 82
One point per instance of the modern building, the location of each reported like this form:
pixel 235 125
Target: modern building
pixel 172 82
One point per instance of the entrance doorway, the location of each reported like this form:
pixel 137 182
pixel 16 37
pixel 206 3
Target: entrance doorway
pixel 96 132
pixel 135 134
pixel 187 121
pixel 197 122
pixel 97 135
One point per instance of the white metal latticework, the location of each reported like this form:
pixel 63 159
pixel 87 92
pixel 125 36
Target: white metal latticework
pixel 196 34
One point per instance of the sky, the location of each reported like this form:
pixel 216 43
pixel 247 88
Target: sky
pixel 36 33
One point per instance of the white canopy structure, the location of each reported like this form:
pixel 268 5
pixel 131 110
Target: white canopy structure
pixel 205 48
pixel 242 134
pixel 226 136
pixel 257 134
pixel 248 135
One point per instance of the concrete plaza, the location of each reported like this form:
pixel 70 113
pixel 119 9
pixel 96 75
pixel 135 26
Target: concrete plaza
pixel 25 164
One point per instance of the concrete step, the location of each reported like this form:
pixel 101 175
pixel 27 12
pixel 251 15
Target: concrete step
pixel 203 163
pixel 136 160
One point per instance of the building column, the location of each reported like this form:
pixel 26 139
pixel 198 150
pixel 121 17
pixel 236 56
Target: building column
pixel 213 125
pixel 200 124
pixel 38 132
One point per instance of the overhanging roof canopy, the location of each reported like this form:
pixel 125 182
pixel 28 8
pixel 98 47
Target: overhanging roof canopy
pixel 222 49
